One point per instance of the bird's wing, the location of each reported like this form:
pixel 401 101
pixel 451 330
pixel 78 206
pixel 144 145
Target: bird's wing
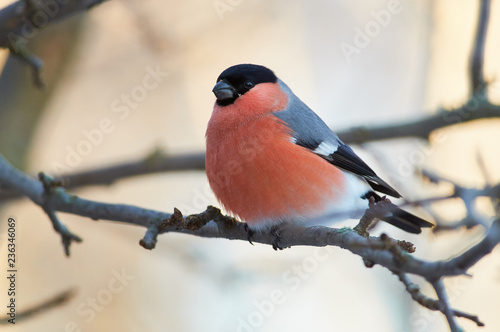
pixel 345 158
pixel 310 132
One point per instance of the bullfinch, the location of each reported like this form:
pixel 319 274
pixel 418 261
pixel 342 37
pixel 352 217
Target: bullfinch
pixel 271 159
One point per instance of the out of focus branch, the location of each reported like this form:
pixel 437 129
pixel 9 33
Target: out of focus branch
pixel 21 20
pixel 468 196
pixel 154 163
pixel 54 302
pixel 478 83
pixel 432 304
pixel 444 305
pixel 475 109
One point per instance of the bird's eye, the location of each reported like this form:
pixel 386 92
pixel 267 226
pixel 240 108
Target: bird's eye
pixel 248 85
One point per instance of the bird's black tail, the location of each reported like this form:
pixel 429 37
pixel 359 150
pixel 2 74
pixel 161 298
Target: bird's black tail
pixel 400 218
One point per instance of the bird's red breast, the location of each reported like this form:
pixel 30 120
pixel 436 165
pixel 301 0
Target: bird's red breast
pixel 255 169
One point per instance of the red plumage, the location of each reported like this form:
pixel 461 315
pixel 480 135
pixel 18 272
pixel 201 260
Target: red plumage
pixel 254 168
pixel 270 158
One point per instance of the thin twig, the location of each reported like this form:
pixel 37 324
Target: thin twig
pixel 468 196
pixel 466 222
pixel 51 303
pixel 495 201
pixel 366 220
pixel 22 52
pixel 445 305
pixel 430 303
pixel 478 83
pixel 414 290
pixel 67 237
pixel 483 248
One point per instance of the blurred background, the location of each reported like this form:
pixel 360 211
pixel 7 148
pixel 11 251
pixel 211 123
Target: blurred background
pixel 146 70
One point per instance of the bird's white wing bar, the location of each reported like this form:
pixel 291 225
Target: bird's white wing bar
pixel 326 149
pixel 310 132
pixel 345 158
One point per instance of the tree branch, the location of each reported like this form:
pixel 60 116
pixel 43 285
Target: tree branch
pixel 476 108
pixel 21 20
pixel 20 50
pixel 66 236
pixel 154 163
pixel 445 305
pixel 56 301
pixel 468 196
pixel 478 83
pixel 432 304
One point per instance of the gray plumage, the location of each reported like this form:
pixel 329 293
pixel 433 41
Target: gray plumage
pixel 312 133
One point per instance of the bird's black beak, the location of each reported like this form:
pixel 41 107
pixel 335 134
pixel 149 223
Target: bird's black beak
pixel 222 91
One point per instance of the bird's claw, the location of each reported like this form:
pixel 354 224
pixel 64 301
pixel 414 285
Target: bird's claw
pixel 275 232
pixel 250 233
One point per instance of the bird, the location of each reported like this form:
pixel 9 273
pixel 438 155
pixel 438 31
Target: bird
pixel 270 159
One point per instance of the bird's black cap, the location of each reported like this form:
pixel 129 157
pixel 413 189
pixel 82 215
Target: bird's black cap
pixel 237 80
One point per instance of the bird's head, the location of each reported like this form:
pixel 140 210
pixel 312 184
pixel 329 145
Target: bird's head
pixel 246 92
pixel 237 80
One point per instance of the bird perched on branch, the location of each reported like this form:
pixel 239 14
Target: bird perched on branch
pixel 271 159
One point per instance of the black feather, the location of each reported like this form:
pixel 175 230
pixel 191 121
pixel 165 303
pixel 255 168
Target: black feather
pixel 346 159
pixel 400 218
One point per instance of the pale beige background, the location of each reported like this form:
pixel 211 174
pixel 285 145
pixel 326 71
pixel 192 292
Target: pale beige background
pixel 415 64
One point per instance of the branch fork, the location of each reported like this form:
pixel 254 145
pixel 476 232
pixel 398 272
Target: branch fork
pixel 50 186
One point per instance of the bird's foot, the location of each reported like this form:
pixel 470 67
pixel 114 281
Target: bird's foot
pixel 276 233
pixel 250 233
